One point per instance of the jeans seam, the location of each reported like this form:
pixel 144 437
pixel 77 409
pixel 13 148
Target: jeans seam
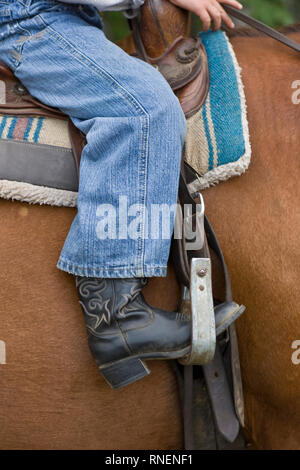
pixel 143 172
pixel 121 266
pixel 24 4
pixel 112 271
pixel 18 47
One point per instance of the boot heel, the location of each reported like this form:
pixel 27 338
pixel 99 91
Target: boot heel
pixel 124 372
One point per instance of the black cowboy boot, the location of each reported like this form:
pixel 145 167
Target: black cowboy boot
pixel 123 329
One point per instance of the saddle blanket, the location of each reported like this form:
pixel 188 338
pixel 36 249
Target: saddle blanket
pixel 217 142
pixel 36 161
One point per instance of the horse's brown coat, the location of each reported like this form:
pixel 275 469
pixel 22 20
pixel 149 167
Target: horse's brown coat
pixel 51 395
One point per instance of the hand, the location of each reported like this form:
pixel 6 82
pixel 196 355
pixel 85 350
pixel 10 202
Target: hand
pixel 209 10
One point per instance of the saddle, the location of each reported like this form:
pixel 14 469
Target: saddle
pixel 163 43
pixel 15 100
pixel 166 45
pixel 182 61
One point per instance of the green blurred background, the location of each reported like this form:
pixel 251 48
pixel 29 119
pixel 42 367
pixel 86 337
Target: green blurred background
pixel 275 13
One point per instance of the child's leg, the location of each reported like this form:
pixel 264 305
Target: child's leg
pixel 135 131
pixel 134 125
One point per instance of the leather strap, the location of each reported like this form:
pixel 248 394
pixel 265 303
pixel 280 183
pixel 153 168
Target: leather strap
pixel 139 46
pixel 78 141
pixel 234 350
pixel 182 260
pixel 228 413
pixel 188 428
pixel 31 108
pixel 263 28
pixel 220 395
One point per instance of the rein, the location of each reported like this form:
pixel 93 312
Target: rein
pixel 263 28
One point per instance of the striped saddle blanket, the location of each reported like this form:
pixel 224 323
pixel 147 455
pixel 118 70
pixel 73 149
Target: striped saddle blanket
pixel 217 141
pixel 37 163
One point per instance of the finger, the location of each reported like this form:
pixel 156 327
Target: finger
pixel 205 18
pixel 216 16
pixel 233 3
pixel 227 20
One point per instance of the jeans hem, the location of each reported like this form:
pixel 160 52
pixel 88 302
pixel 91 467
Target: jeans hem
pixel 112 272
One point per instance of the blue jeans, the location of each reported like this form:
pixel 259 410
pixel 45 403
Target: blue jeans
pixel 133 122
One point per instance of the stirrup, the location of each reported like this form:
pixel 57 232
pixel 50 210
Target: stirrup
pixel 199 300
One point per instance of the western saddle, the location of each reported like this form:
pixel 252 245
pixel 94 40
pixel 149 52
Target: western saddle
pixel 181 59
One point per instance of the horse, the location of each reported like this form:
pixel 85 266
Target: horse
pixel 52 396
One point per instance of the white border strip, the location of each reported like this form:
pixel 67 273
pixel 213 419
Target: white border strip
pixel 33 194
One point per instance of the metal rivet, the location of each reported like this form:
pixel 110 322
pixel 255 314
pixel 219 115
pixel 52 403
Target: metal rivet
pixel 202 272
pixel 201 287
pixel 19 89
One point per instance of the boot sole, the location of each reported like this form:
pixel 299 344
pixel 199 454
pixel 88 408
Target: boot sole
pixel 118 374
